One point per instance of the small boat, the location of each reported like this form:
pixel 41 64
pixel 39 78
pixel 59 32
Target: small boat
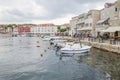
pixel 74 49
pixel 23 35
pixel 56 40
pixel 46 38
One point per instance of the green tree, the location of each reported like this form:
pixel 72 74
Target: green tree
pixel 63 29
pixel 5 28
pixel 58 28
pixel 10 26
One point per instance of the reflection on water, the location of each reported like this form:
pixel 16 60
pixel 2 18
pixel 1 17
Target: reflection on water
pixel 20 59
pixel 106 62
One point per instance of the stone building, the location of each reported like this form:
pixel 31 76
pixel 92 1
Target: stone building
pixel 15 32
pixel 81 22
pixel 44 29
pixel 73 25
pixel 22 30
pixel 87 22
pixel 65 26
pixel 110 20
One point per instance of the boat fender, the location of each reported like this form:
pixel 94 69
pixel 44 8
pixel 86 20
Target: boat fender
pixel 37 46
pixel 41 55
pixel 45 50
pixel 37 41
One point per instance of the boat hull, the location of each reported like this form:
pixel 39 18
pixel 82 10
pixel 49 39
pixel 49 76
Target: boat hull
pixel 75 51
pixel 47 39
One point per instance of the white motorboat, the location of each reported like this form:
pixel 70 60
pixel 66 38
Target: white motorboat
pixel 56 40
pixel 46 38
pixel 75 49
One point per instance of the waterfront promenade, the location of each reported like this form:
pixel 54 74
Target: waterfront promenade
pixel 106 45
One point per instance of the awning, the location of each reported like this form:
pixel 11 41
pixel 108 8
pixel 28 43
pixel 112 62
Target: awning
pixel 112 29
pixel 85 29
pixel 100 30
pixel 103 21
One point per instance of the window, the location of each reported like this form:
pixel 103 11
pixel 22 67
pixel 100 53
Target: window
pixel 81 19
pixel 86 25
pixel 48 30
pixel 90 24
pixel 115 9
pixel 52 29
pixel 38 29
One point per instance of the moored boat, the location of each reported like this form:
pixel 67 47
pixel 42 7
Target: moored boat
pixel 75 49
pixel 56 40
pixel 46 38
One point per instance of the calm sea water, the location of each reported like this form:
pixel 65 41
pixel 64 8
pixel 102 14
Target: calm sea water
pixel 29 58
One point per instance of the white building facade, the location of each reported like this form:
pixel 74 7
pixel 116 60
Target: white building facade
pixel 15 32
pixel 85 23
pixel 44 29
pixel 73 25
pixel 110 20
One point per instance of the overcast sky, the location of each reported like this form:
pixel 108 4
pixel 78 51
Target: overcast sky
pixel 45 11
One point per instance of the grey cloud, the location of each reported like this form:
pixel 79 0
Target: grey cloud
pixel 58 8
pixel 21 14
pixel 55 8
pixel 13 16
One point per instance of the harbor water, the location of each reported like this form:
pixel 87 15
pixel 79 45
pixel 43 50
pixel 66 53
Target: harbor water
pixel 30 58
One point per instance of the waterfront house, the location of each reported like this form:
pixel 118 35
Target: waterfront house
pixel 73 25
pixel 64 29
pixel 2 29
pixel 24 30
pixel 44 29
pixel 81 22
pixel 66 25
pixel 109 22
pixel 86 23
pixel 15 32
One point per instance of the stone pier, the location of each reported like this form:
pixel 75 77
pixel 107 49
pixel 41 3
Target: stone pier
pixel 103 46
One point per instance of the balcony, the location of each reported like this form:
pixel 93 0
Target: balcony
pixel 80 22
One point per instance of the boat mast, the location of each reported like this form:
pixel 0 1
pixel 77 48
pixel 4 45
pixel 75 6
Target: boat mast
pixel 79 41
pixel 78 35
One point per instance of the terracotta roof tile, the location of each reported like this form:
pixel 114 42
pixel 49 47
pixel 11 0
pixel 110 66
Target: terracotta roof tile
pixel 45 25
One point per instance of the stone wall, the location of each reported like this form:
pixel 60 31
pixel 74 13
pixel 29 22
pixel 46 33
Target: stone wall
pixel 115 22
pixel 103 46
